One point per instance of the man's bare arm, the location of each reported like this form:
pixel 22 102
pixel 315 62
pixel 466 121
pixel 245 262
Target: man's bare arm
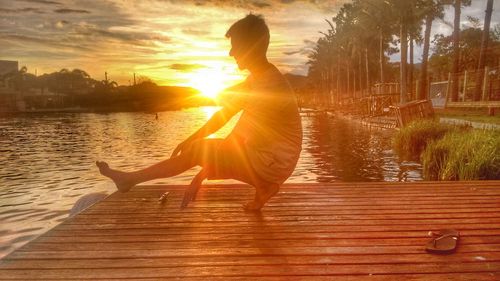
pixel 217 121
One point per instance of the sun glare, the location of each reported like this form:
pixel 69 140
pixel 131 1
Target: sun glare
pixel 211 81
pixel 208 82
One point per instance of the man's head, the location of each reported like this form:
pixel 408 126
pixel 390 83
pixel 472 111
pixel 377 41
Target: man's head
pixel 249 40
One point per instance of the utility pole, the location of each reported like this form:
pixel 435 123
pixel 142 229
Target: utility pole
pixel 134 78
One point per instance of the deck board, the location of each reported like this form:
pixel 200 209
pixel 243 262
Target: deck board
pixel 353 231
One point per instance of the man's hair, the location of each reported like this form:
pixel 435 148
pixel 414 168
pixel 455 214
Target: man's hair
pixel 252 30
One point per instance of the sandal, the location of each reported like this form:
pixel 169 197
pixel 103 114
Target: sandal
pixel 445 242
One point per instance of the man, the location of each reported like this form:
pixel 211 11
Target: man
pixel 264 146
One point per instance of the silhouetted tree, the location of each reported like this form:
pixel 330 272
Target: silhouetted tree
pixel 433 9
pixel 484 48
pixel 457 5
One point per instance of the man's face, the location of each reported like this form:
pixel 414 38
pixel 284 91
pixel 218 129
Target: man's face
pixel 239 53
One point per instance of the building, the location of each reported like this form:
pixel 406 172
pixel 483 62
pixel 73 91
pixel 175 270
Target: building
pixel 7 66
pixel 8 98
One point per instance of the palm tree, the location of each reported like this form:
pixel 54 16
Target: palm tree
pixel 433 9
pixel 17 79
pixel 457 5
pixel 106 86
pixel 456 51
pixel 415 38
pixel 484 47
pixel 376 18
pixel 405 12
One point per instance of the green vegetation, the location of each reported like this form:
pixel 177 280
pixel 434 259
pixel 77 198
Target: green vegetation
pixel 353 52
pixel 450 152
pixel 471 155
pixel 411 140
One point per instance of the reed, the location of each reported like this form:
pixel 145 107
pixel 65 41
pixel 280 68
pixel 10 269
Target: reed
pixel 411 140
pixel 463 155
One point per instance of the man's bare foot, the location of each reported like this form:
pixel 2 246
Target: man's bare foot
pixel 262 195
pixel 121 179
pixel 192 190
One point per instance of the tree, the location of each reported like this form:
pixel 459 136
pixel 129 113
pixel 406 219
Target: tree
pixel 405 12
pixel 433 9
pixel 377 21
pixel 470 45
pixel 457 5
pixel 484 47
pixel 456 51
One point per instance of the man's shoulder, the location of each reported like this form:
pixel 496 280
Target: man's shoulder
pixel 273 80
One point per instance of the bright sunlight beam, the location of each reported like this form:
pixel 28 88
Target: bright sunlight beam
pixel 212 80
pixel 208 82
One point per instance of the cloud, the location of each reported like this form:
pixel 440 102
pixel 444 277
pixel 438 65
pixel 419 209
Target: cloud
pixel 89 31
pixel 323 5
pixel 186 67
pixel 61 23
pixel 47 2
pixel 166 38
pixel 292 52
pixel 41 41
pixel 260 4
pixel 194 32
pixel 69 11
pixel 20 10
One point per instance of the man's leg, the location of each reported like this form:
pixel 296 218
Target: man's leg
pixel 164 169
pixel 263 192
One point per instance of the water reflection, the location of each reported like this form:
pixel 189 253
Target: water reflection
pixel 342 150
pixel 47 161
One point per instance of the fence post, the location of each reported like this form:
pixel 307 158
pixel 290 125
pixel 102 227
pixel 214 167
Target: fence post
pixel 465 85
pixel 428 90
pixel 485 83
pixel 448 88
pixel 417 88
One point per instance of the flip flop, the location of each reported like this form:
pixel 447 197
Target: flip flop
pixel 445 242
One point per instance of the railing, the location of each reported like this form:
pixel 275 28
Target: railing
pixel 386 88
pixel 489 91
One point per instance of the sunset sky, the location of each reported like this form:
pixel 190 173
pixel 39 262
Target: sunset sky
pixel 173 42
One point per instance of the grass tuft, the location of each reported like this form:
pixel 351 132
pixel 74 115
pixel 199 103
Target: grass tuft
pixel 411 140
pixel 459 155
pixel 450 152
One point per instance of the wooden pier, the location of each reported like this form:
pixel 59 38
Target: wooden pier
pixel 340 231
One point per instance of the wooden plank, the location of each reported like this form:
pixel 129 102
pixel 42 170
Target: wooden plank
pixel 247 260
pixel 259 270
pixel 189 237
pixel 246 242
pixel 357 231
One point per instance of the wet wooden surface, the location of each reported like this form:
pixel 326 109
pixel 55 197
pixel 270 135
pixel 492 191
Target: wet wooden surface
pixel 351 231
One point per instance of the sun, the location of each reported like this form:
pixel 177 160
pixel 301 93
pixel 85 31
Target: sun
pixel 211 81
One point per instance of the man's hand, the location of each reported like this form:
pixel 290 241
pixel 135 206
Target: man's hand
pixel 181 147
pixel 192 190
pixel 213 124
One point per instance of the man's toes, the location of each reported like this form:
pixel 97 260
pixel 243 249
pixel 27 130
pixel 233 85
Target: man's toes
pixel 102 165
pixel 252 206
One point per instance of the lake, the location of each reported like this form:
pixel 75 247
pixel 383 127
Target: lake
pixel 47 160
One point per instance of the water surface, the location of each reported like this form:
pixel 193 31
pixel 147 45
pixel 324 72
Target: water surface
pixel 47 161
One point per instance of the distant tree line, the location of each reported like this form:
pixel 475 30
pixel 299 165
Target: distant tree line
pixel 353 54
pixel 80 90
